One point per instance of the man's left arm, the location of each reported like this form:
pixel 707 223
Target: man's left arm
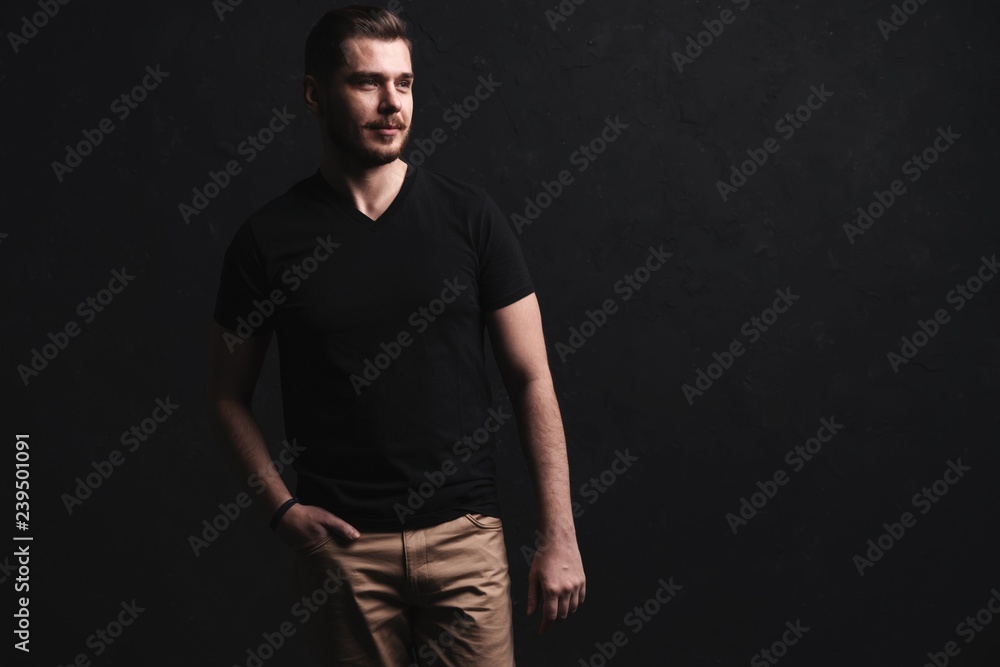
pixel 519 347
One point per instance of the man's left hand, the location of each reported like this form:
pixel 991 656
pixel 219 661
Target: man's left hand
pixel 557 576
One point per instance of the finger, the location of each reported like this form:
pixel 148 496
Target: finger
pixel 564 601
pixel 574 601
pixel 583 592
pixel 345 529
pixel 551 606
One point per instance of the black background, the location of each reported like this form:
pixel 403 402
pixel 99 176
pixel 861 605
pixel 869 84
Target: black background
pixel 665 516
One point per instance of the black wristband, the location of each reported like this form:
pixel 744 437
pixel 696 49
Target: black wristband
pixel 281 511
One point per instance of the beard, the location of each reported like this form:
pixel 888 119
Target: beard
pixel 369 148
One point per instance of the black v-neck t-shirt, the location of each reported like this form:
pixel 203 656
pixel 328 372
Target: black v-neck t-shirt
pixel 380 334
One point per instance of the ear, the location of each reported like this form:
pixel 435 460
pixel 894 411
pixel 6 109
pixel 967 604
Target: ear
pixel 313 94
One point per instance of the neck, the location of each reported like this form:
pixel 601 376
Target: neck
pixel 371 189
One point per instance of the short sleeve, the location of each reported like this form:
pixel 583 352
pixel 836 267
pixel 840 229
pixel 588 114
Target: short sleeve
pixel 503 271
pixel 243 282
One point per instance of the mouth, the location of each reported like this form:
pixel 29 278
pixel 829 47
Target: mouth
pixel 386 130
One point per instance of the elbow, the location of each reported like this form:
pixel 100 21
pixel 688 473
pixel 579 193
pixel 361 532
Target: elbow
pixel 522 381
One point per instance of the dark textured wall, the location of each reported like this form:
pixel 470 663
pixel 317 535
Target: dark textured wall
pixel 715 505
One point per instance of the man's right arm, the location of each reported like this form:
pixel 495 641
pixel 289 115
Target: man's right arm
pixel 232 377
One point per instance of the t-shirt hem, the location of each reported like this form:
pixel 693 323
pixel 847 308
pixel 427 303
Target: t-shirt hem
pixel 422 521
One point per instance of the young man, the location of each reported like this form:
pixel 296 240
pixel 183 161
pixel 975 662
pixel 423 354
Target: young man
pixel 377 279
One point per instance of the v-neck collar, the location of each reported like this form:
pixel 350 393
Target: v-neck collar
pixel 336 197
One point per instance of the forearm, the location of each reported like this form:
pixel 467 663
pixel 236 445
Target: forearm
pixel 236 428
pixel 544 444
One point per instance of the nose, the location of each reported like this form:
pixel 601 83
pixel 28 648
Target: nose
pixel 391 102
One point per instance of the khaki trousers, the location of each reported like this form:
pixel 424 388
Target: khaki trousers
pixel 434 595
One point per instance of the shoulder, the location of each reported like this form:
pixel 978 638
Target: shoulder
pixel 462 193
pixel 292 200
pixel 274 214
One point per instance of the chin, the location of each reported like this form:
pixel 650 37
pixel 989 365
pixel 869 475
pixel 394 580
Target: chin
pixel 386 153
pixel 376 157
pixel 371 151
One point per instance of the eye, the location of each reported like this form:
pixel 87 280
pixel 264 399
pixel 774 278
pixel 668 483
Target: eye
pixel 367 82
pixel 406 83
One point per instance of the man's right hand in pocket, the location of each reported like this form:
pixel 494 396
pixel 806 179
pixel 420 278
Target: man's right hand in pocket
pixel 305 525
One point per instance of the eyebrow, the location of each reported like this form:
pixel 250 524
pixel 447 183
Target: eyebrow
pixel 378 75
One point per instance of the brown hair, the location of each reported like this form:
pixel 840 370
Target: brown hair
pixel 324 52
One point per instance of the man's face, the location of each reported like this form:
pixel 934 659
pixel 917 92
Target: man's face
pixel 369 102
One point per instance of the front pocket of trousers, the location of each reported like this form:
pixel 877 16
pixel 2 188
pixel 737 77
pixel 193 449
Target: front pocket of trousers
pixel 485 522
pixel 310 549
